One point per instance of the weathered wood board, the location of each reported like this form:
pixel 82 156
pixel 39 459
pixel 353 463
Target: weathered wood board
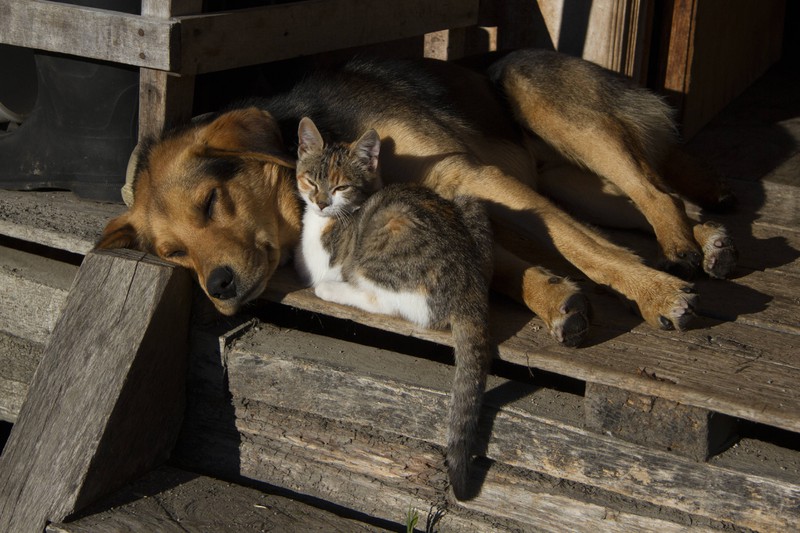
pixel 193 44
pixel 168 500
pixel 212 42
pixel 370 422
pixel 89 32
pixel 18 361
pixel 107 397
pixel 748 381
pixel 35 290
pixel 56 219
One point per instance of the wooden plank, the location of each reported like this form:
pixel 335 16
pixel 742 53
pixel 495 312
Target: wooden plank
pixel 747 381
pixel 766 300
pixel 165 99
pixel 716 49
pixel 302 389
pixel 35 291
pixel 557 513
pixel 105 402
pixel 612 33
pixel 218 41
pixel 56 219
pixel 18 361
pixel 168 500
pixel 657 423
pixel 90 32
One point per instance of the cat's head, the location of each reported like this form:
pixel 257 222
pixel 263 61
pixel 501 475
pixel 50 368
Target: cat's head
pixel 336 178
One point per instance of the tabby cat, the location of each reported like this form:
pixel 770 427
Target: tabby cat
pixel 404 251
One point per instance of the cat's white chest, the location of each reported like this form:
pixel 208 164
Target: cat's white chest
pixel 313 262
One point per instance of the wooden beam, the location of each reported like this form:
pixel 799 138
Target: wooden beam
pixel 657 423
pixel 370 421
pixel 165 99
pixel 171 500
pixel 106 401
pixel 212 42
pixel 209 42
pixel 749 382
pixel 90 32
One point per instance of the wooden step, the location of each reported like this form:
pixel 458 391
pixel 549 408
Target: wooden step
pixel 170 500
pixel 105 402
pixel 364 428
pixel 18 361
pixel 741 360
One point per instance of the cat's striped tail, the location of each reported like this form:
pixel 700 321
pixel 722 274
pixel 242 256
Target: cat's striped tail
pixel 473 355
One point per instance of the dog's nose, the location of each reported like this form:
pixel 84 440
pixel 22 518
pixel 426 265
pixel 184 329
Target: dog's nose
pixel 221 284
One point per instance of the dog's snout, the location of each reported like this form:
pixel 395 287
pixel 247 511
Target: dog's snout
pixel 221 283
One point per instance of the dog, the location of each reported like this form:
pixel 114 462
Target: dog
pixel 534 130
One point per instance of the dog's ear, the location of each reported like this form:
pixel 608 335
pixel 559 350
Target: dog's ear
pixel 249 133
pixel 119 233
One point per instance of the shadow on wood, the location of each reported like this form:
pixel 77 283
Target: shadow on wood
pixel 106 401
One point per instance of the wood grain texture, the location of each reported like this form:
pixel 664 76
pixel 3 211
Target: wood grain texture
pixel 656 423
pixel 165 100
pixel 290 407
pixel 212 42
pixel 56 219
pixel 106 399
pixel 35 290
pixel 89 32
pixel 168 500
pixel 18 361
pixel 754 370
pixel 716 49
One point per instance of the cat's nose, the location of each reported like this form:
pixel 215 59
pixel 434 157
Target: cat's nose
pixel 322 204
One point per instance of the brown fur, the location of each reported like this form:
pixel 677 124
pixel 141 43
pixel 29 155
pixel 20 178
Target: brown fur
pixel 444 127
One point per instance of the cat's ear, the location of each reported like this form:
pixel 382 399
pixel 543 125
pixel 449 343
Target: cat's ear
pixel 309 139
pixel 368 148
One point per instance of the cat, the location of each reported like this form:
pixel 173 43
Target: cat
pixel 401 250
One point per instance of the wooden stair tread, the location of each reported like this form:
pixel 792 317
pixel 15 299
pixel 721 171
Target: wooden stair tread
pixel 743 359
pixel 172 500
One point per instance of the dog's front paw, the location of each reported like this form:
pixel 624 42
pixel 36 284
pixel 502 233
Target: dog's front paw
pixel 684 263
pixel 668 303
pixel 719 253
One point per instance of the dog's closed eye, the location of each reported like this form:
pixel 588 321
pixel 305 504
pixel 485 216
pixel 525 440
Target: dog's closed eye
pixel 210 203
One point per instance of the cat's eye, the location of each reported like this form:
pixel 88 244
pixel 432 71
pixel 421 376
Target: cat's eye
pixel 210 203
pixel 307 182
pixel 341 188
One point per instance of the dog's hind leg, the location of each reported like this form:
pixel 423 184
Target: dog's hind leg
pixel 616 131
pixel 663 300
pixel 556 300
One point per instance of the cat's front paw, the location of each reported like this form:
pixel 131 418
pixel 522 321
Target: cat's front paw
pixel 327 290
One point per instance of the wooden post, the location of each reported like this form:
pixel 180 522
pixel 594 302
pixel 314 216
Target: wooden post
pixel 657 423
pixel 165 99
pixel 107 398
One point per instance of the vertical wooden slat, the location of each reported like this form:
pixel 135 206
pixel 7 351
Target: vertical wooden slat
pixel 106 401
pixel 165 99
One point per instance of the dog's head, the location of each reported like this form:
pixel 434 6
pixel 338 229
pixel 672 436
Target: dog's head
pixel 216 197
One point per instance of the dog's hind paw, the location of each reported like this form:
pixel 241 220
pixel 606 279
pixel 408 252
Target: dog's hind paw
pixel 719 253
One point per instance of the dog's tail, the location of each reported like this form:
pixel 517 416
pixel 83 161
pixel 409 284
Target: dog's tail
pixel 473 355
pixel 543 86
